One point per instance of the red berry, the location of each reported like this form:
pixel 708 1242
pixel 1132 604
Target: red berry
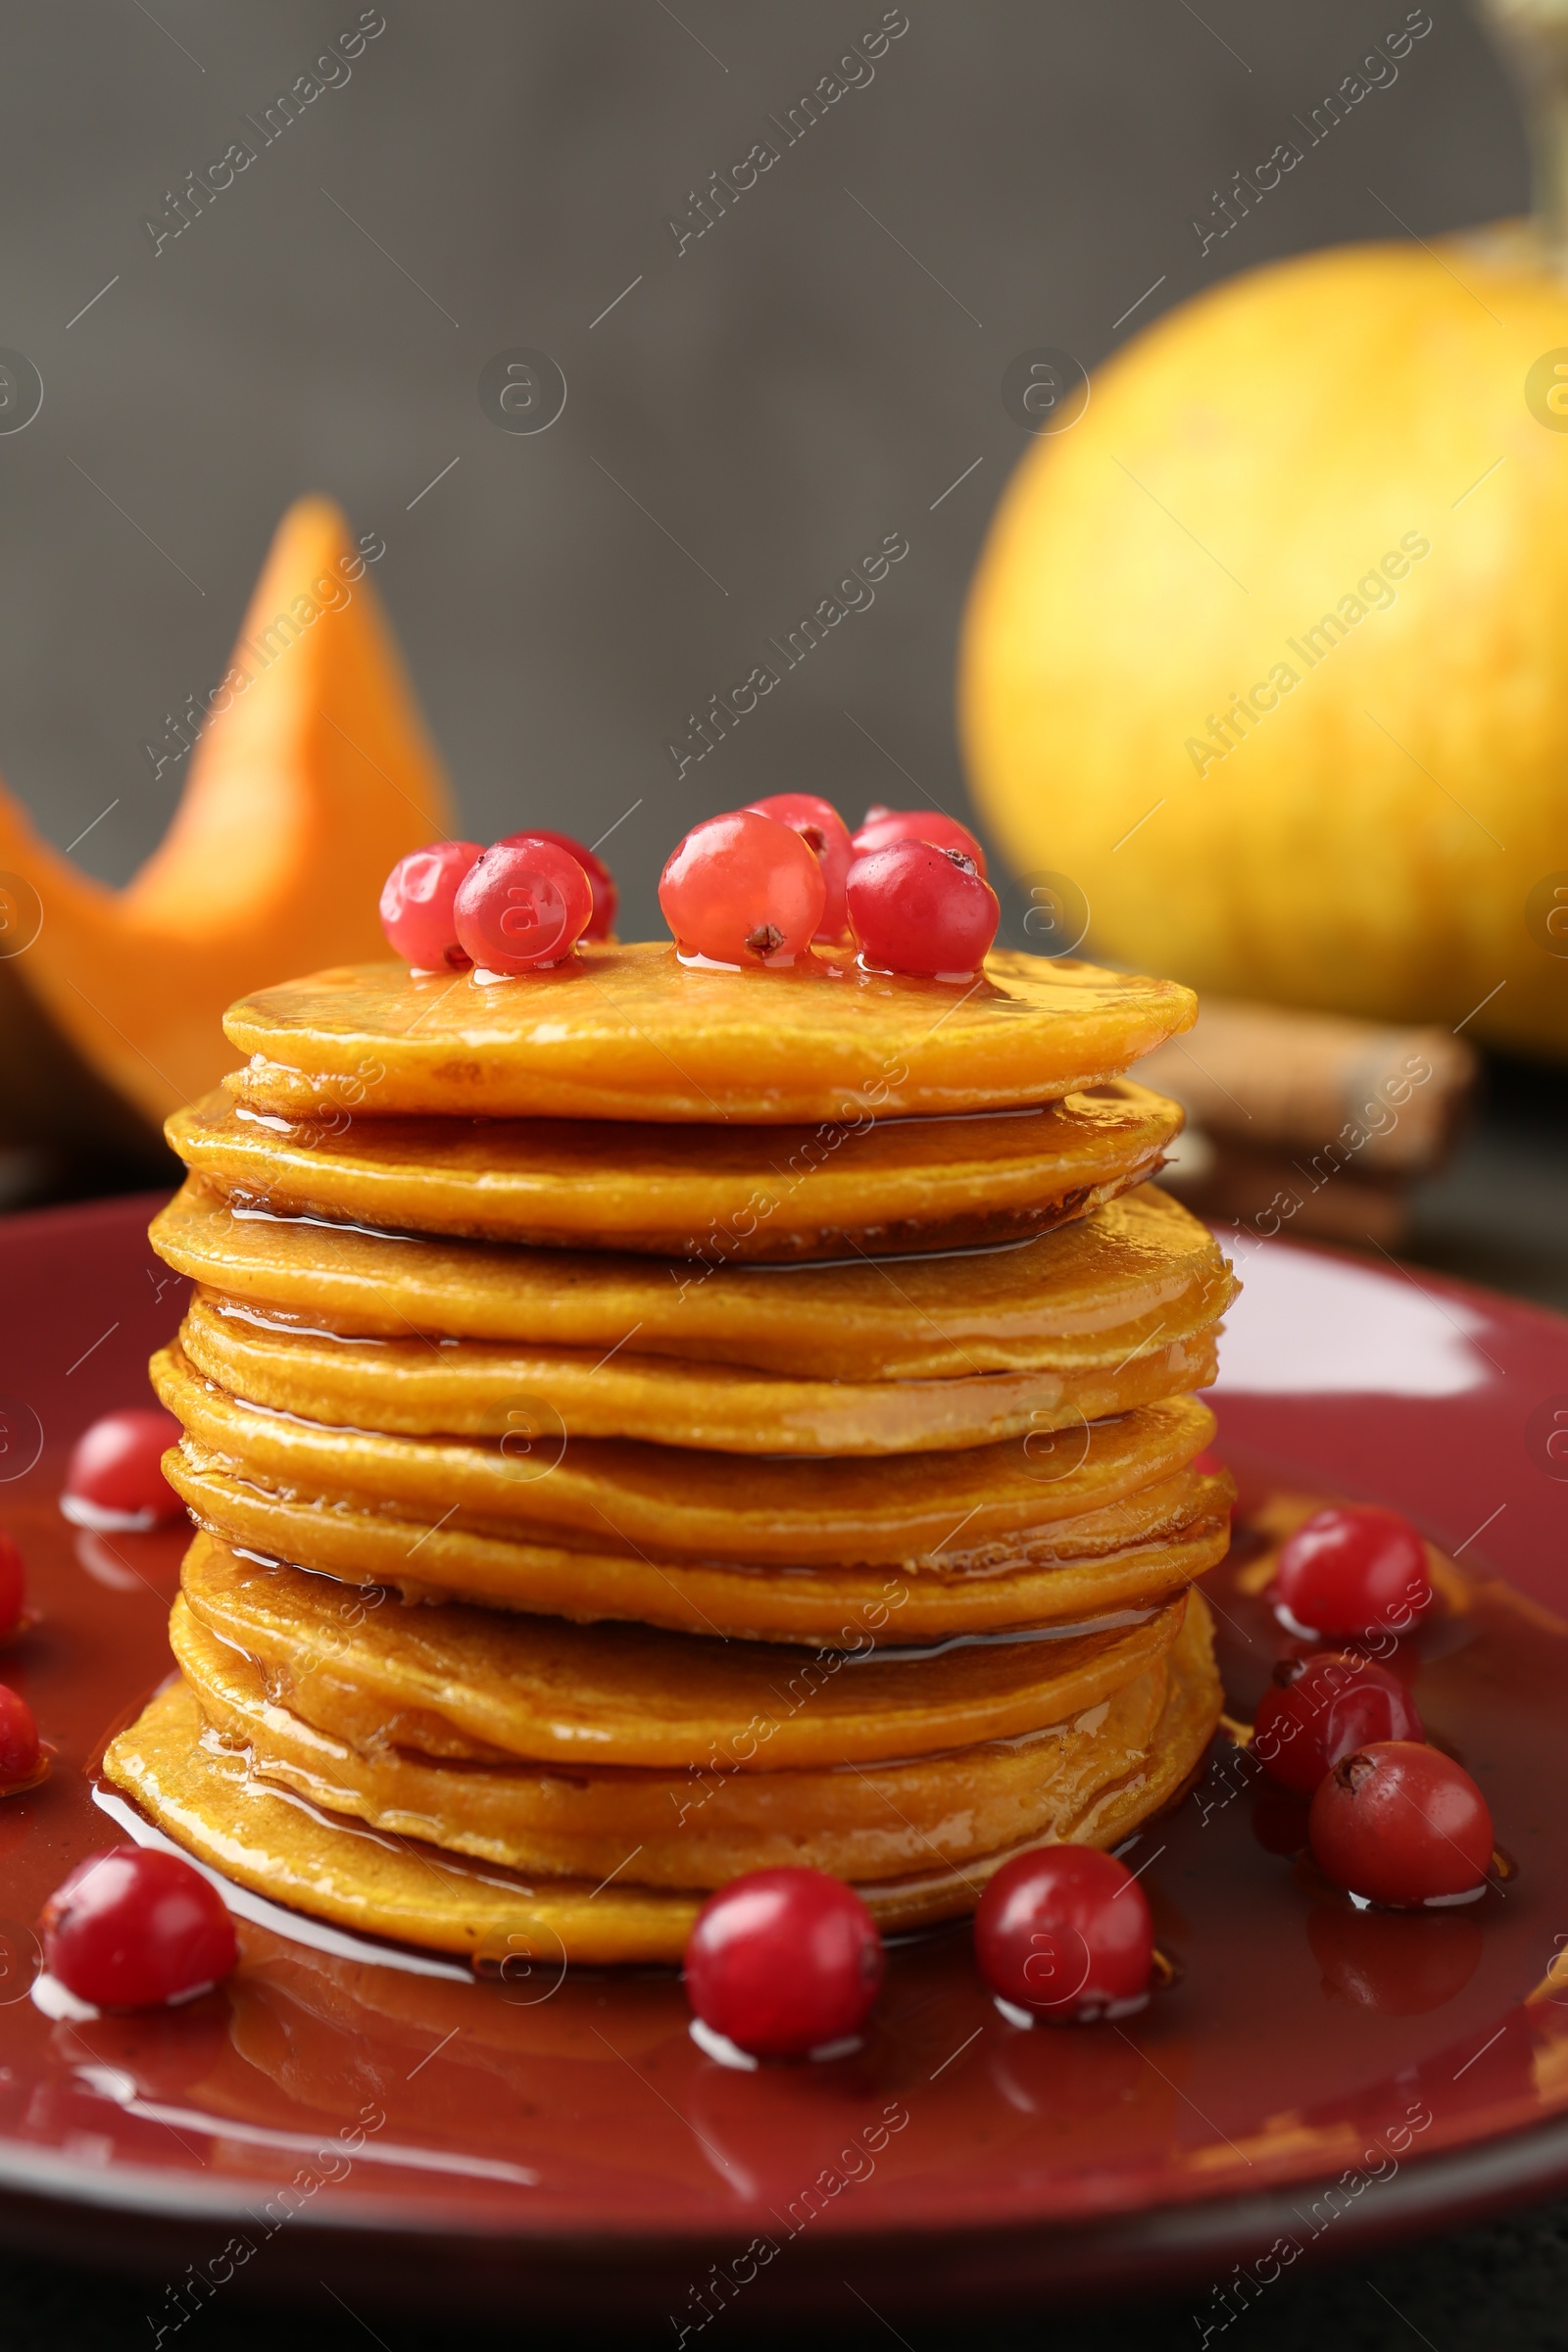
pixel 133 1928
pixel 922 911
pixel 743 889
pixel 416 904
pixel 115 1477
pixel 526 903
pixel 1316 1710
pixel 1402 1825
pixel 827 835
pixel 1354 1570
pixel 880 827
pixel 602 882
pixel 783 1962
pixel 20 1753
pixel 1064 1931
pixel 13 1585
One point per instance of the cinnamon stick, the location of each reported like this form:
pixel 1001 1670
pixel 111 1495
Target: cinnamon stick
pixel 1318 1090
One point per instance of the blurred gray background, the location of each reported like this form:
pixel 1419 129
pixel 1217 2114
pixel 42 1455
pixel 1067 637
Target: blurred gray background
pixel 760 409
pixel 747 413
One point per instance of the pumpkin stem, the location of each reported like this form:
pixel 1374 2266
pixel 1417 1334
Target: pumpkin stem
pixel 1533 36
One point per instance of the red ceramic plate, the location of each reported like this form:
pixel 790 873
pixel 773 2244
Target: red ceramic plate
pixel 1316 2078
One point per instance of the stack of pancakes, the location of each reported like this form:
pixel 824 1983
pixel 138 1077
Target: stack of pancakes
pixel 646 1424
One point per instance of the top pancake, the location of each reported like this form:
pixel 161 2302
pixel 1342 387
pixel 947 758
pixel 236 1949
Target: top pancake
pixel 632 1033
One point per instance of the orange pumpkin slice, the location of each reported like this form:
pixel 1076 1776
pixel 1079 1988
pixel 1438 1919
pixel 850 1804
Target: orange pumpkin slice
pixel 632 1033
pixel 1135 1273
pixel 1126 1554
pixel 725 1193
pixel 311 779
pixel 278 1842
pixel 470 1387
pixel 878 1820
pixel 622 1494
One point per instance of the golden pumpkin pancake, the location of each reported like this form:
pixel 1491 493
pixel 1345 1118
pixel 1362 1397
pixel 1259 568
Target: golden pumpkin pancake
pixel 685 1829
pixel 470 1389
pixel 377 1882
pixel 485 1685
pixel 1125 1555
pixel 725 1193
pixel 632 1033
pixel 676 1503
pixel 1139 1271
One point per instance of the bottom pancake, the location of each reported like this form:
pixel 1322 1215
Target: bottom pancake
pixel 283 1843
pixel 1128 1554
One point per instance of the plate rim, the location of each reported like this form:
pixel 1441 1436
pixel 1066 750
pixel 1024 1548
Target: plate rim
pixel 1172 2243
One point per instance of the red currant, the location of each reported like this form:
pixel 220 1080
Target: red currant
pixel 13 1585
pixel 416 904
pixel 922 911
pixel 20 1752
pixel 526 903
pixel 784 1962
pixel 1402 1825
pixel 1064 1931
pixel 827 835
pixel 743 889
pixel 602 882
pixel 115 1477
pixel 880 827
pixel 133 1928
pixel 1317 1710
pixel 1354 1570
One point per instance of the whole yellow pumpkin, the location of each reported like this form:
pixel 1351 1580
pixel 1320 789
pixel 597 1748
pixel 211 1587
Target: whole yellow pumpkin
pixel 1269 652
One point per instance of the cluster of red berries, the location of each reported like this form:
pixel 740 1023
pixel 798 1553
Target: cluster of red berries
pixel 789 1963
pixel 764 884
pixel 758 887
pixel 1392 1820
pixel 516 907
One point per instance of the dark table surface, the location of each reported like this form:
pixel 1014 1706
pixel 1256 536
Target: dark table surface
pixel 1497 1215
pixel 1502 2285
